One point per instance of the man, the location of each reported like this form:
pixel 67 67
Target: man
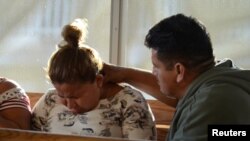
pixel 185 71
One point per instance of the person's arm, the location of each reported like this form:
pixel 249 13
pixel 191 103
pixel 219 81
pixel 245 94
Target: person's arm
pixel 141 79
pixel 17 118
pixel 14 112
pixel 40 115
pixel 138 121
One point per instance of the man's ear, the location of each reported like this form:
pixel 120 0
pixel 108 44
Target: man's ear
pixel 99 80
pixel 180 72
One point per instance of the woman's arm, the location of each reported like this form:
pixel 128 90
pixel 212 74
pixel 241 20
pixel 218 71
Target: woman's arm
pixel 18 118
pixel 141 79
pixel 138 121
pixel 14 111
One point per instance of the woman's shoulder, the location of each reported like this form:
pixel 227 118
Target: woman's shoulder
pixel 130 92
pixel 120 91
pixel 50 95
pixel 7 84
pixel 48 100
pixel 131 95
pixel 51 91
pixel 12 95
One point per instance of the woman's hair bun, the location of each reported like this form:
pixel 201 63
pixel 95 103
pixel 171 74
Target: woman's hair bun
pixel 75 33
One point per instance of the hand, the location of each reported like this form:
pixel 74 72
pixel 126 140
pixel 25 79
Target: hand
pixel 112 73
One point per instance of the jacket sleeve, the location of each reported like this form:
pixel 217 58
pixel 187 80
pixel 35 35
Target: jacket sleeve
pixel 218 104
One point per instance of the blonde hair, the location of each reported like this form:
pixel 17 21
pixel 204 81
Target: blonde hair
pixel 74 61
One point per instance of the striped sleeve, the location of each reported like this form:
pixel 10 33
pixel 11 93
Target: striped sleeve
pixel 14 98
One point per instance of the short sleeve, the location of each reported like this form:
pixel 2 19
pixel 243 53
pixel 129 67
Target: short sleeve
pixel 41 111
pixel 138 120
pixel 14 98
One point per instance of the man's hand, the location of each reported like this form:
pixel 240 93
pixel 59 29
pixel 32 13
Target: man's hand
pixel 112 73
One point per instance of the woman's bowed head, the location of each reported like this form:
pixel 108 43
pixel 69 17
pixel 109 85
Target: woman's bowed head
pixel 74 69
pixel 80 100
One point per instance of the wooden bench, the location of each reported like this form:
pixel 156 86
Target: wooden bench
pixel 27 135
pixel 163 114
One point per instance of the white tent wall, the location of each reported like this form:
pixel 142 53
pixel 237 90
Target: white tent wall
pixel 29 31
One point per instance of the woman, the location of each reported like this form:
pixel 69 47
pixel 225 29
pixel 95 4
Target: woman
pixel 15 109
pixel 80 104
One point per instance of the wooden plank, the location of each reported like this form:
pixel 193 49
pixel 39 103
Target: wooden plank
pixel 25 135
pixel 163 114
pixel 34 98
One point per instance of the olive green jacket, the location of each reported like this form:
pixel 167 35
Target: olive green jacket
pixel 220 95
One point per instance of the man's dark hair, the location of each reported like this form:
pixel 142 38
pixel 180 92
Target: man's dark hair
pixel 181 39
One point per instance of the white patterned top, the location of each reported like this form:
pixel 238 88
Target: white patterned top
pixel 12 98
pixel 126 115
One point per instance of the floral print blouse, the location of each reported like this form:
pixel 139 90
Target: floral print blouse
pixel 126 115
